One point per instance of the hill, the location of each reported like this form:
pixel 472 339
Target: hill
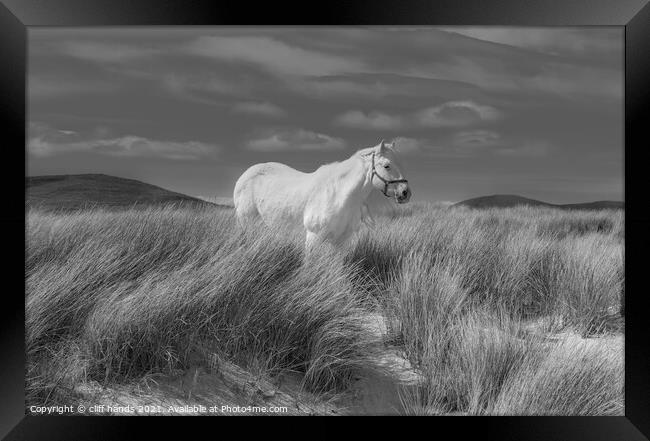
pixel 218 200
pixel 73 192
pixel 510 200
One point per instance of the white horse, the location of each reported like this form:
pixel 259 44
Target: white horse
pixel 329 203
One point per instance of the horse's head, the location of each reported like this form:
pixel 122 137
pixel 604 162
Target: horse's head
pixel 387 173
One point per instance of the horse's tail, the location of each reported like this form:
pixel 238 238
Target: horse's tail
pixel 243 200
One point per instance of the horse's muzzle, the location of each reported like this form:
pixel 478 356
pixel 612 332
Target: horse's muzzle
pixel 403 194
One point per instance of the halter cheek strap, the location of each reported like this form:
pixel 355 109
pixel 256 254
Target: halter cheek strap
pixel 385 181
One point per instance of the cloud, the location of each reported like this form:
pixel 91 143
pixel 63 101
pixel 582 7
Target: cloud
pixel 295 140
pixel 45 141
pixel 380 86
pixel 48 87
pixel 201 84
pixel 568 80
pixel 341 87
pixel 558 78
pixel 408 146
pixel 372 120
pixel 458 145
pixel 449 114
pixel 255 108
pixel 272 55
pixel 548 40
pixel 105 52
pixel 477 141
pixel 472 143
pixel 456 114
pixel 205 89
pixel 476 138
pixel 526 149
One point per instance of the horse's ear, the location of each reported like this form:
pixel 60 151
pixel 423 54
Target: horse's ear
pixel 381 147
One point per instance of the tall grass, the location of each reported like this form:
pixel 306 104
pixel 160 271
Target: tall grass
pixel 503 258
pixel 146 292
pixel 570 378
pixel 112 296
pixel 465 284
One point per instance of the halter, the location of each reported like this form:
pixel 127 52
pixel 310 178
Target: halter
pixel 385 181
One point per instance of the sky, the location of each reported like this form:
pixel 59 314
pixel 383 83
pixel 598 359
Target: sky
pixel 474 111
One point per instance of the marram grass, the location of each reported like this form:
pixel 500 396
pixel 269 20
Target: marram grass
pixel 470 298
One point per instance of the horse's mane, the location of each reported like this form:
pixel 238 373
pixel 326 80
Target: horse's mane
pixel 376 203
pixel 332 165
pixel 361 152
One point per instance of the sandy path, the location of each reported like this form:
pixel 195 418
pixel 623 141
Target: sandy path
pixel 375 392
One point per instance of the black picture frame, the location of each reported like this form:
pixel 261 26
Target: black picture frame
pixel 634 15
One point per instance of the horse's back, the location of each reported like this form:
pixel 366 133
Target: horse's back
pixel 264 173
pixel 271 190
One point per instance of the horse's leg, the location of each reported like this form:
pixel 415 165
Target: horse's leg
pixel 312 241
pixel 319 246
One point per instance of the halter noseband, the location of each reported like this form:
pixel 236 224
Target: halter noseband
pixel 385 181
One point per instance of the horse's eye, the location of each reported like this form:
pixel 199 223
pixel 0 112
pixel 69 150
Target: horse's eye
pixel 386 167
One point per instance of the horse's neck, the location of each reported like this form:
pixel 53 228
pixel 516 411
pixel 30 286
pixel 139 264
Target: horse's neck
pixel 351 180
